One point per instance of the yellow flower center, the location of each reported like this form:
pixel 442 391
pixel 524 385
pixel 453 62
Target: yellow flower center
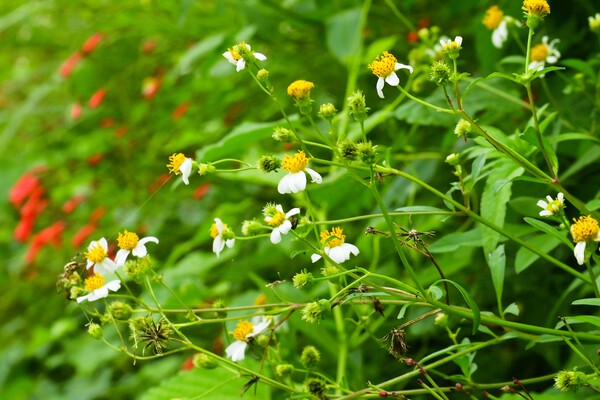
pixel 243 329
pixel 584 229
pixel 334 238
pixel 234 53
pixel 276 220
pixel 296 163
pixel 554 206
pixel 539 52
pixel 128 240
pixel 300 89
pixel 214 232
pixel 94 282
pixel 96 254
pixel 175 162
pixel 493 17
pixel 536 7
pixel 383 65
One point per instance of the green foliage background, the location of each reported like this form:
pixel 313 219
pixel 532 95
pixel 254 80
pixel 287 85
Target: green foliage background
pixel 44 349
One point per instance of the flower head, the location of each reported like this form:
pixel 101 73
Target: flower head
pixel 551 206
pixel 180 164
pixel 295 180
pixel 97 256
pixel 569 380
pixel 584 230
pixel 97 288
pixel 242 53
pixel 335 246
pixel 385 67
pixel 300 89
pixel 496 21
pixel 543 53
pixel 535 11
pixel 452 47
pixel 222 235
pixel 243 334
pixel 280 221
pixel 129 242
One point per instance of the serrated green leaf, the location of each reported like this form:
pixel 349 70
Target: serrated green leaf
pixel 549 229
pixel 468 299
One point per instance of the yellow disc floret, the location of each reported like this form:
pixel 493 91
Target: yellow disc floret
pixel 493 17
pixel 96 254
pixel 276 219
pixel 585 229
pixel 128 240
pixel 539 52
pixel 333 238
pixel 536 7
pixel 175 162
pixel 383 65
pixel 243 329
pixel 300 89
pixel 296 163
pixel 94 282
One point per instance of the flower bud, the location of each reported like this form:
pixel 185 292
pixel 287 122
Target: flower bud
pixel 284 370
pixel 327 111
pixel 205 169
pixel 314 312
pixel 462 128
pixel 569 380
pixel 358 106
pixel 119 310
pixel 366 152
pixel 269 164
pixel 202 360
pixel 310 357
pixel 441 320
pixel 251 228
pixel 282 134
pixel 316 387
pixel 219 303
pixel 95 330
pixel 303 279
pixel 139 268
pixel 262 74
pixel 440 73
pixel 453 159
pixel 348 150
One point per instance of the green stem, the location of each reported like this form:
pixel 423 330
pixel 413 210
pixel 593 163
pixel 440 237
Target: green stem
pixel 342 341
pixel 528 51
pixel 593 278
pixel 538 133
pixel 424 103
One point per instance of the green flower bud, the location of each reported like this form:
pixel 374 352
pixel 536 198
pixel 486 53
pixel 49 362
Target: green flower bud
pixel 310 357
pixel 205 169
pixel 453 159
pixel 95 330
pixel 251 228
pixel 284 370
pixel 366 152
pixel 327 111
pixel 269 164
pixel 139 268
pixel 330 270
pixel 441 319
pixel 569 380
pixel 219 303
pixel 316 387
pixel 314 312
pixel 348 150
pixel 303 279
pixel 119 310
pixel 262 74
pixel 440 73
pixel 462 128
pixel 202 360
pixel 358 106
pixel 282 135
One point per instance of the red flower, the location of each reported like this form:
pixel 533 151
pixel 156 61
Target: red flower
pixel 201 191
pixel 24 229
pixel 188 364
pixel 91 43
pixel 34 205
pixel 25 186
pixel 107 122
pixel 82 235
pixel 76 110
pixel 95 159
pixel 71 204
pixel 69 65
pixel 180 110
pixel 97 98
pixel 50 235
pixel 148 46
pixel 412 37
pixel 97 214
pixel 150 87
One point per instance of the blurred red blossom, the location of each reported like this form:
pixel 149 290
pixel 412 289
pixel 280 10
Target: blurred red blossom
pixel 76 110
pixel 69 65
pixel 97 98
pixel 70 205
pixel 26 184
pixel 150 87
pixel 180 110
pixel 50 235
pixel 92 42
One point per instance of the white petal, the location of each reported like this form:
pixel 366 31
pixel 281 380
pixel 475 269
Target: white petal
pixel 579 252
pixel 285 227
pixel 561 197
pixel 140 249
pixel 458 40
pixel 121 257
pixel 315 257
pixel 551 59
pixel 392 79
pixel 218 245
pixel 241 64
pixel 545 213
pixel 186 169
pixel 236 350
pixel 284 187
pixel 261 326
pixel 339 254
pixel 113 285
pixel 500 34
pixel 82 298
pixel 106 266
pixel 297 182
pixel 351 248
pixel 542 203
pixel 99 293
pixel 315 176
pixel 260 56
pixel 379 86
pixel 219 225
pixel 403 66
pixel 293 211
pixel 230 242
pixel 275 236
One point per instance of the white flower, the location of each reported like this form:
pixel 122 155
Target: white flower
pixel 98 289
pixel 222 236
pixel 129 242
pixel 97 256
pixel 279 220
pixel 498 23
pixel 180 164
pixel 584 230
pixel 244 332
pixel 335 246
pixel 295 181
pixel 551 206
pixel 545 52
pixel 234 57
pixel 449 45
pixel 384 68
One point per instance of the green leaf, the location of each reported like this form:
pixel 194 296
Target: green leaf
pixel 549 229
pixel 513 309
pixel 526 257
pixel 196 52
pixel 587 302
pixel 581 66
pixel 342 33
pixel 572 136
pixel 420 209
pixel 497 263
pixel 590 156
pixel 201 383
pixel 496 194
pixel 455 240
pixel 468 299
pixel 544 71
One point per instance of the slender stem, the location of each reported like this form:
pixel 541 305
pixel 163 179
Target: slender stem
pixel 538 133
pixel 342 341
pixel 593 278
pixel 528 51
pixel 424 103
